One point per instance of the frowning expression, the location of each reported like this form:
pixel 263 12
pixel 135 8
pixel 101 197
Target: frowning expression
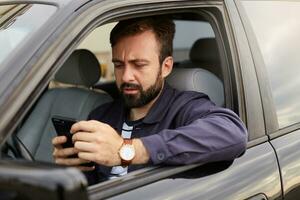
pixel 138 71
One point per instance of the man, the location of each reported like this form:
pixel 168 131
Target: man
pixel 152 123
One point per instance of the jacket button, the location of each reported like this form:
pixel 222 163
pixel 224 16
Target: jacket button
pixel 161 156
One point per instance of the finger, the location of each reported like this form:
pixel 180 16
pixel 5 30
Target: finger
pixel 64 152
pixel 84 136
pixel 84 168
pixel 87 156
pixel 58 141
pixel 70 161
pixel 87 126
pixel 85 146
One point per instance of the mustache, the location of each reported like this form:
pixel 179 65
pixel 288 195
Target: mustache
pixel 130 86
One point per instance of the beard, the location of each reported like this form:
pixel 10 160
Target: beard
pixel 143 97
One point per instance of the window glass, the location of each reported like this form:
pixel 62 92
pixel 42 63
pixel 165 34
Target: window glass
pixel 184 39
pixel 19 21
pixel 98 43
pixel 276 25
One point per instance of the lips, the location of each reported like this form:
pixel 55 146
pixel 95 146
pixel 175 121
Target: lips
pixel 129 88
pixel 130 91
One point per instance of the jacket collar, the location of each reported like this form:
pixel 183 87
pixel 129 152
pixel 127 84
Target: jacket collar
pixel 160 107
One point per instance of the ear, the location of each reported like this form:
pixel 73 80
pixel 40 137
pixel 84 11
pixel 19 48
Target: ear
pixel 167 66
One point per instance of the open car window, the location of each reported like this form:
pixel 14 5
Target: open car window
pixel 193 50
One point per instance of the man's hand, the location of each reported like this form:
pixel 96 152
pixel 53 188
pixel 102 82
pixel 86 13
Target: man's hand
pixel 61 155
pixel 98 142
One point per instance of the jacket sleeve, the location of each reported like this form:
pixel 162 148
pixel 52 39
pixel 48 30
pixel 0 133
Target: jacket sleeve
pixel 208 134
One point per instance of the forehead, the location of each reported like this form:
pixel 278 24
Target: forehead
pixel 141 44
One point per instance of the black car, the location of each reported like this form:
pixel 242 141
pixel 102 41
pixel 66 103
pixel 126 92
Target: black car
pixel 246 52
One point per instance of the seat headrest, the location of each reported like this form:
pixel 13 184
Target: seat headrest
pixel 200 80
pixel 81 68
pixel 205 51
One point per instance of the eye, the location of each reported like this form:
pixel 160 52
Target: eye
pixel 118 65
pixel 140 64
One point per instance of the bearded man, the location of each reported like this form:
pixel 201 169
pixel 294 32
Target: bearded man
pixel 152 123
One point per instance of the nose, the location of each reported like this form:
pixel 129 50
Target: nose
pixel 128 74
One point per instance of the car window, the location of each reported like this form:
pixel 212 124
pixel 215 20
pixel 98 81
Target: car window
pixel 98 43
pixel 17 22
pixel 277 32
pixel 184 40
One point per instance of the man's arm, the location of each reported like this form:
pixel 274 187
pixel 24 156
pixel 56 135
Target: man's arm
pixel 209 134
pixel 142 155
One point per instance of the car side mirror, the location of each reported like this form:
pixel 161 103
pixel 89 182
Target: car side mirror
pixel 20 179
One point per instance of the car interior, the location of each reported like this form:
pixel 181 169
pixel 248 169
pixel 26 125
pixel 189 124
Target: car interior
pixel 73 100
pixel 76 88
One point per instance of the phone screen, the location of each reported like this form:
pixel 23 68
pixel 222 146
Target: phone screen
pixel 62 126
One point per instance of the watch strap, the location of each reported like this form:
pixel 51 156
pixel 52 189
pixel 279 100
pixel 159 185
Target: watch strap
pixel 127 141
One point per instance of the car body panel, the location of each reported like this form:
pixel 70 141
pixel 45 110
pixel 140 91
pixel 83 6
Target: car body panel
pixel 287 149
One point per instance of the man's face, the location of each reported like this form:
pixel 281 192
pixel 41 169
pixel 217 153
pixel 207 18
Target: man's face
pixel 137 69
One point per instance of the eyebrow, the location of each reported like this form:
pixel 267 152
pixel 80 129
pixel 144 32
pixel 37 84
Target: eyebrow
pixel 115 60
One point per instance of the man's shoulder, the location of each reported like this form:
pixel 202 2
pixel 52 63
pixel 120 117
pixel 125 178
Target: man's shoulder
pixel 180 100
pixel 187 96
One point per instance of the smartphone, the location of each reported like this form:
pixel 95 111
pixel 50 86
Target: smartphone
pixel 63 126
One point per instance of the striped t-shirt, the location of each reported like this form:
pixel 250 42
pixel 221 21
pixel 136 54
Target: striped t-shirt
pixel 118 171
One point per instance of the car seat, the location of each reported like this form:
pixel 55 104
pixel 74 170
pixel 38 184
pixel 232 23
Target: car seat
pixel 200 80
pixel 204 53
pixel 202 72
pixel 81 70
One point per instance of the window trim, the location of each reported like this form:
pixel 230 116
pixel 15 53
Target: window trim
pixel 268 105
pixel 244 66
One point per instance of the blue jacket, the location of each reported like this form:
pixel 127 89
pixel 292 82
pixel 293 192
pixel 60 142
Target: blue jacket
pixel 181 128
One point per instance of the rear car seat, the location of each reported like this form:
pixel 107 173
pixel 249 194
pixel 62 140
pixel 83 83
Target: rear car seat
pixel 81 70
pixel 202 72
pixel 204 53
pixel 200 80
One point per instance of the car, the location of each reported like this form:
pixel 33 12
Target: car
pixel 250 47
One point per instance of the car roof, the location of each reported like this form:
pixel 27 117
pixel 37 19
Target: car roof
pixel 59 3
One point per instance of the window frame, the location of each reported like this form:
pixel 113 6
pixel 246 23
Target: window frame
pixel 245 68
pixel 85 23
pixel 152 174
pixel 264 87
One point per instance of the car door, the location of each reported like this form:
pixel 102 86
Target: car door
pixel 254 175
pixel 277 41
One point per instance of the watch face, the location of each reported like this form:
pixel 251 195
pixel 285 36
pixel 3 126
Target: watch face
pixel 127 152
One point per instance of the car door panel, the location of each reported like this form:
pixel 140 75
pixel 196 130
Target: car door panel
pixel 287 149
pixel 256 172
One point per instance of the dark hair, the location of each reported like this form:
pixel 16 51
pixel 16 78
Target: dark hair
pixel 163 28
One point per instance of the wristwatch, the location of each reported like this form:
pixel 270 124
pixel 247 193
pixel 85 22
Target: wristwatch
pixel 126 152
